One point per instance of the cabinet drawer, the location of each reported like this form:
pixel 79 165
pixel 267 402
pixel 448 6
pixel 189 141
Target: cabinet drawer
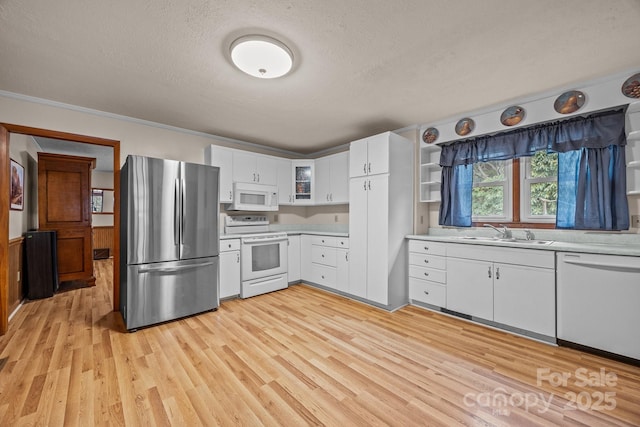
pixel 323 241
pixel 323 255
pixel 323 275
pixel 431 274
pixel 427 292
pixel 426 247
pixel 342 242
pixel 430 261
pixel 229 245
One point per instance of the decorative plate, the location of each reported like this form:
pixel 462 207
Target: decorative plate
pixel 631 87
pixel 569 102
pixel 512 115
pixel 465 126
pixel 430 135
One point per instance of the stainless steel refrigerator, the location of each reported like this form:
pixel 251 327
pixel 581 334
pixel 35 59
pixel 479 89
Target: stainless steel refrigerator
pixel 169 240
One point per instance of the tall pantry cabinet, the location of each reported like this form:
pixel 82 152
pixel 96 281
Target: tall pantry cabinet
pixel 380 216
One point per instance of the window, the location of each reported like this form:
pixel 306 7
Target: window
pixel 491 194
pixel 514 191
pixel 539 175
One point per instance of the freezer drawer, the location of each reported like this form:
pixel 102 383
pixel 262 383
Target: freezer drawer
pixel 158 292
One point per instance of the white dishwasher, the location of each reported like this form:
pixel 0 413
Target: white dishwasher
pixel 598 299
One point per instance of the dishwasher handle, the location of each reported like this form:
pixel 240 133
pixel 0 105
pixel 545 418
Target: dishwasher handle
pixel 576 260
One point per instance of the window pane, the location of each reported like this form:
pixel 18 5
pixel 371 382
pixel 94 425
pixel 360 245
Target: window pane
pixel 544 197
pixel 544 165
pixel 489 171
pixel 488 201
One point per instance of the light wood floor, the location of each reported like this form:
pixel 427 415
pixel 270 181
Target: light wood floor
pixel 296 357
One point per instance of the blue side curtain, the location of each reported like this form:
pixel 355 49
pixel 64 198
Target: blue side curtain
pixel 591 169
pixel 592 189
pixel 455 196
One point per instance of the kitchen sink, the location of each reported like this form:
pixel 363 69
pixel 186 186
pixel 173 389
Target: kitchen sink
pixel 506 240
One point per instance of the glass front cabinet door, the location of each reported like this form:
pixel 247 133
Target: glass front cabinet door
pixel 303 182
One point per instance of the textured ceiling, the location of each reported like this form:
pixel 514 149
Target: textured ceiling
pixel 361 66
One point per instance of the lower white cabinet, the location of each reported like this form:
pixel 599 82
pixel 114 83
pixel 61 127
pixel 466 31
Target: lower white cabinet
pixel 342 269
pixel 427 272
pixel 294 259
pixel 229 268
pixel 324 260
pixel 470 287
pixel 524 297
pixel 515 287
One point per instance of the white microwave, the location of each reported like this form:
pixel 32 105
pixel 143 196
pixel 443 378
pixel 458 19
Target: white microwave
pixel 254 197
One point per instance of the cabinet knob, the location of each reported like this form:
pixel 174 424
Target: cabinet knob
pixel 426 261
pixel 231 194
pixel 489 272
pixel 229 244
pixel 323 277
pixel 426 274
pixel 426 292
pixel 426 248
pixel 322 255
pixel 364 168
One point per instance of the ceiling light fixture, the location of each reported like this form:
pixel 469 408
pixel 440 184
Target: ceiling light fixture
pixel 261 56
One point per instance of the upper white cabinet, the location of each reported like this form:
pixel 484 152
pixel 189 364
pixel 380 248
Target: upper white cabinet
pixel 370 156
pixel 332 179
pixel 255 168
pixel 285 183
pixel 430 172
pixel 303 177
pixel 223 158
pixel 380 216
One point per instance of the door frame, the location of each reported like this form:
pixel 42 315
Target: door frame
pixel 5 130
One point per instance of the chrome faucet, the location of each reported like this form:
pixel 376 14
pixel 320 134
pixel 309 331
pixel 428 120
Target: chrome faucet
pixel 529 235
pixel 505 233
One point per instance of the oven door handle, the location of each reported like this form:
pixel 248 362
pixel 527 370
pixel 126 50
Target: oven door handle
pixel 254 240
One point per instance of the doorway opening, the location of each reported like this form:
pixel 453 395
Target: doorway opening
pixel 5 131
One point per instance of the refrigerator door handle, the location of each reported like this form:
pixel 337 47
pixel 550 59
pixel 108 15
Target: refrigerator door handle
pixel 173 269
pixel 182 191
pixel 176 214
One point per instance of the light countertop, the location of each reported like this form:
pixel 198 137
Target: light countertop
pixel 624 246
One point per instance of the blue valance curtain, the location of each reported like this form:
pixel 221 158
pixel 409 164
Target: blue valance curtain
pixel 591 169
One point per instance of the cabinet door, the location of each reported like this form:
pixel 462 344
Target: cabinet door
pixel 285 186
pixel 340 178
pixel 303 182
pixel 266 170
pixel 378 154
pixel 244 167
pixel 342 270
pixel 358 237
pixel 378 239
pixel 525 297
pixel 229 274
pixel 222 158
pixel 305 258
pixel 323 181
pixel 358 158
pixel 470 287
pixel 294 259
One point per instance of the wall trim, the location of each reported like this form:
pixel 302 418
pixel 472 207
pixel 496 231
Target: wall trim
pixel 28 98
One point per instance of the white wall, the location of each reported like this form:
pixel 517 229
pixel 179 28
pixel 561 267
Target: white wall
pixel 23 150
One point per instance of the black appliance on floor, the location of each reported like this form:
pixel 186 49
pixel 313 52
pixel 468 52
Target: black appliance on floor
pixel 41 264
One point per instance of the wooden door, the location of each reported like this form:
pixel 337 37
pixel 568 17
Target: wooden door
pixel 64 205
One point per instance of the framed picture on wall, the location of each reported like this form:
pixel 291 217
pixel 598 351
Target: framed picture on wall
pixel 16 197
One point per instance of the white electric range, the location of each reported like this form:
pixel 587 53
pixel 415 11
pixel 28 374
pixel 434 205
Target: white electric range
pixel 263 254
